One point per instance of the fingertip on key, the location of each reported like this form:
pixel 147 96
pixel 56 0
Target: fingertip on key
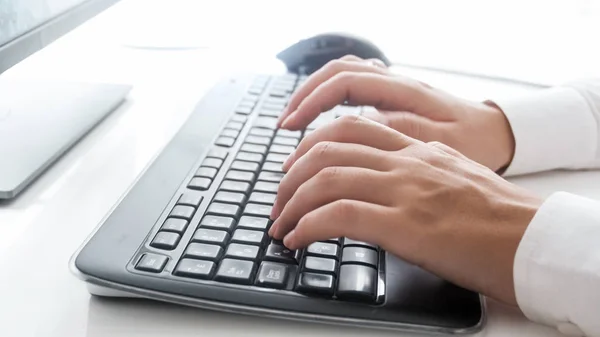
pixel 289 240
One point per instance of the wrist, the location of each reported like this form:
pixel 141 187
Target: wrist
pixel 502 142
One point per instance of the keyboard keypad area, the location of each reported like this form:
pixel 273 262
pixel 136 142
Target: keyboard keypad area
pixel 229 243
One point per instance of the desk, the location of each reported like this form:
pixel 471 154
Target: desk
pixel 41 229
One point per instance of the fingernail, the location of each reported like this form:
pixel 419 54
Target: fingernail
pixel 290 159
pixel 288 240
pixel 273 229
pixel 274 211
pixel 286 122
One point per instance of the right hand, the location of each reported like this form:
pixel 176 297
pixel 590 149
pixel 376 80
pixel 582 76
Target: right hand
pixel 477 130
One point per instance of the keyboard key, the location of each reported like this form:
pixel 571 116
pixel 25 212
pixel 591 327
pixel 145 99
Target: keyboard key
pixel 195 268
pixel 357 282
pixel 258 140
pixel 273 106
pixel 235 186
pixel 250 157
pixel 218 153
pixel 255 90
pixel 284 149
pixel 190 198
pixel 263 198
pixel 269 113
pixel 272 275
pixel 225 141
pixel 320 265
pixel 360 255
pixel 203 251
pixel 258 210
pixel 251 222
pixel 240 176
pixel 277 157
pixel 212 162
pixel 246 252
pixel 263 186
pixel 285 141
pixel 234 125
pixel 206 172
pixel 350 242
pixel 200 184
pixel 235 271
pixel 165 240
pixel 211 236
pixel 217 222
pixel 182 212
pixel 278 93
pixel 271 176
pixel 323 249
pixel 275 100
pixel 174 225
pixel 289 134
pixel 262 132
pixel 244 109
pixel 230 133
pixel 230 197
pixel 248 237
pixel 280 253
pixel 239 118
pixel 337 241
pixel 253 148
pixel 265 123
pixel 217 208
pixel 153 263
pixel 272 167
pixel 245 166
pixel 315 283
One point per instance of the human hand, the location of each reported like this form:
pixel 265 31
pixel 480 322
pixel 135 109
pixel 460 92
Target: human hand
pixel 479 131
pixel 423 202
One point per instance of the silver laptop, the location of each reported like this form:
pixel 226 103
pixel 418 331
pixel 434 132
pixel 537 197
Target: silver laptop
pixel 39 121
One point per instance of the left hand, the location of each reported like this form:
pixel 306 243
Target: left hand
pixel 423 202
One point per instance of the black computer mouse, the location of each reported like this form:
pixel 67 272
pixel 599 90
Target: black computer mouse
pixel 308 55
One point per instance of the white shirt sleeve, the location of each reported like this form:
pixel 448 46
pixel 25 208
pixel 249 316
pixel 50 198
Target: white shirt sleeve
pixel 557 264
pixel 557 128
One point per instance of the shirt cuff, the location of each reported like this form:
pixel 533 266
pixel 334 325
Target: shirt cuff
pixel 553 128
pixel 557 265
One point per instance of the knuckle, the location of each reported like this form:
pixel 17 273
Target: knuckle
pixel 344 209
pixel 320 150
pixel 328 175
pixel 350 57
pixel 349 120
pixel 336 66
pixel 344 76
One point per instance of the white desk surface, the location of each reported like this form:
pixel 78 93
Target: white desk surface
pixel 41 229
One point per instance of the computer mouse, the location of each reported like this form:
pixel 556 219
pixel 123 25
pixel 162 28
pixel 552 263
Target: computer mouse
pixel 308 55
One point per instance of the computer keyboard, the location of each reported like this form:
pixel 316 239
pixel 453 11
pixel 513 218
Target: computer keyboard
pixel 230 244
pixel 193 230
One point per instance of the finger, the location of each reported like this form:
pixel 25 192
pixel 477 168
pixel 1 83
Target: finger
pixel 357 88
pixel 376 62
pixel 415 126
pixel 357 220
pixel 324 155
pixel 347 63
pixel 331 184
pixel 351 129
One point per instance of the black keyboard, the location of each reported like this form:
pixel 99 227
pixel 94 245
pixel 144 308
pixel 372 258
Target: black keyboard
pixel 229 243
pixel 193 230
